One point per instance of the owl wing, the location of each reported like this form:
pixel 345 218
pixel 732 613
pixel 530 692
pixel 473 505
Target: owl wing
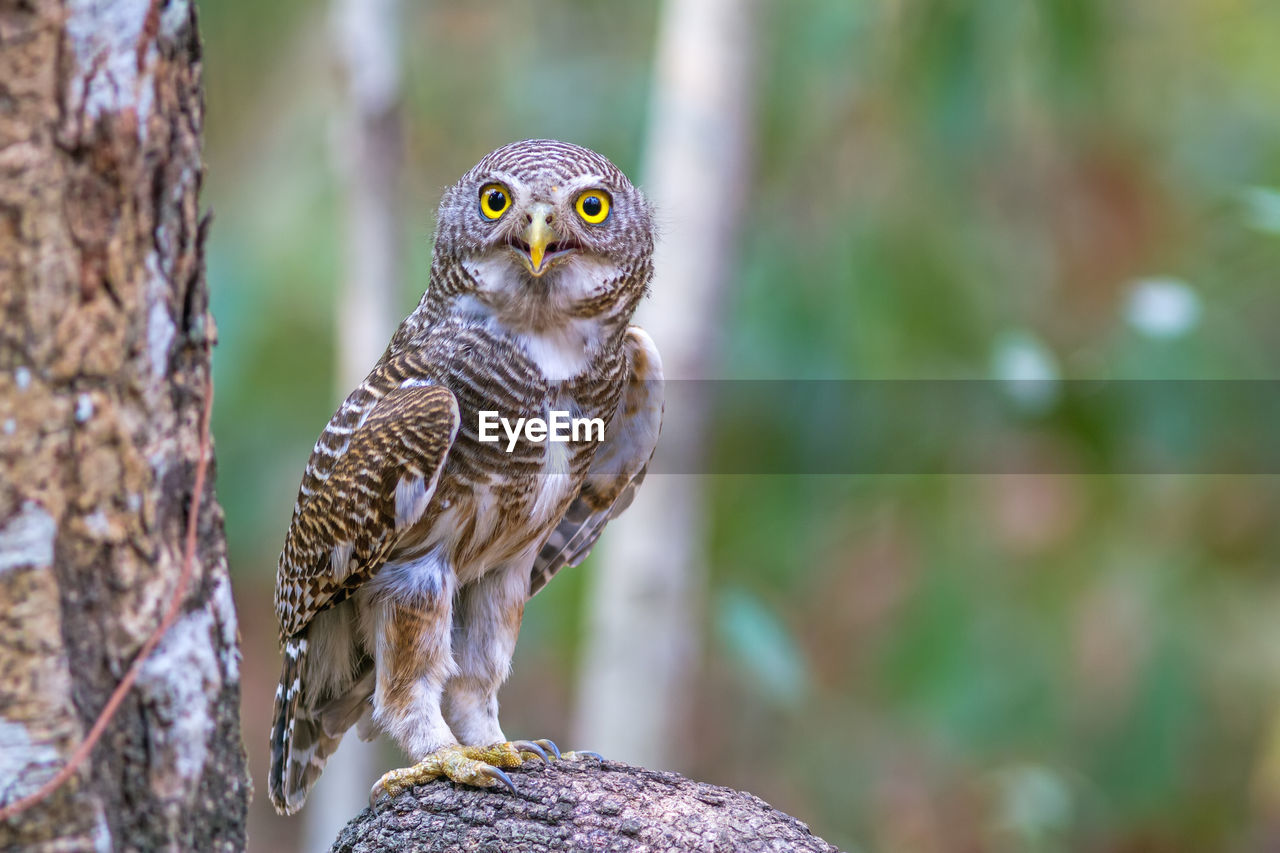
pixel 618 467
pixel 371 476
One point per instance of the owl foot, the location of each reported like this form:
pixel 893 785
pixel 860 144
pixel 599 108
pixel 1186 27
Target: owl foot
pixel 478 766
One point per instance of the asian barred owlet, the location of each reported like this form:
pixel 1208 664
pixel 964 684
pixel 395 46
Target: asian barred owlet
pixel 414 544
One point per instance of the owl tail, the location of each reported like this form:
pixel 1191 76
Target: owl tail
pixel 302 739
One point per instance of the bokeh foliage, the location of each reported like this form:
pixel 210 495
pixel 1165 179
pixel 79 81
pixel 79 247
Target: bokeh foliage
pixel 942 189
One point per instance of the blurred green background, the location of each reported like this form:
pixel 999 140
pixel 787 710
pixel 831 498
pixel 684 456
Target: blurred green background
pixel 940 189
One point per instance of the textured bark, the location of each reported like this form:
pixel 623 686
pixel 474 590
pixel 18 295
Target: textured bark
pixel 579 806
pixel 104 373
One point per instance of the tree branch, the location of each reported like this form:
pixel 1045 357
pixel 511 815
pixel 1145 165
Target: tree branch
pixel 578 805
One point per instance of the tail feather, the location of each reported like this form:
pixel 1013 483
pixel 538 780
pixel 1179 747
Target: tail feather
pixel 302 738
pixel 345 711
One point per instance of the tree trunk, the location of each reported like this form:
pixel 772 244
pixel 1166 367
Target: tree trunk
pixel 367 155
pixel 104 377
pixel 643 642
pixel 579 806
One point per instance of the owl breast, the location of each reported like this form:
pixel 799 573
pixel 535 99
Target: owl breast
pixel 499 500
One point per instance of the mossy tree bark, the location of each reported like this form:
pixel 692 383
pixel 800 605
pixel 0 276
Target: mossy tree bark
pixel 104 375
pixel 579 805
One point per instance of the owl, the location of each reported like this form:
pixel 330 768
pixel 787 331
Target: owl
pixel 417 538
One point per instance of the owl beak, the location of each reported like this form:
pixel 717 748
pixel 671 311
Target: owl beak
pixel 540 245
pixel 537 236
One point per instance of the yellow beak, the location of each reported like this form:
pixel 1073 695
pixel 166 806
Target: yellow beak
pixel 537 236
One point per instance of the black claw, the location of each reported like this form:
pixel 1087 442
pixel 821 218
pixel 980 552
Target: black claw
pixel 532 746
pixel 581 752
pixel 550 746
pixel 496 773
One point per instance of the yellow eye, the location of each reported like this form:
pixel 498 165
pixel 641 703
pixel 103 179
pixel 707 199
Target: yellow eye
pixel 494 201
pixel 593 206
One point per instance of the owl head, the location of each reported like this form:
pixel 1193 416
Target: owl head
pixel 539 232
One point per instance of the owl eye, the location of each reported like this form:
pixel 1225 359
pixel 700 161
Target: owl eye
pixel 494 201
pixel 593 206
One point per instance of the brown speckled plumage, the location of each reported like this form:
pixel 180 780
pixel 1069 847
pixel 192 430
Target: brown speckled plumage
pixel 414 545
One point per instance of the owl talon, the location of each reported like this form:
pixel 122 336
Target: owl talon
pixel 532 746
pixel 550 746
pixel 574 755
pixel 391 784
pixel 498 775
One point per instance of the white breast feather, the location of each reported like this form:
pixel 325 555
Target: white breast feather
pixel 560 353
pixel 563 353
pixel 552 483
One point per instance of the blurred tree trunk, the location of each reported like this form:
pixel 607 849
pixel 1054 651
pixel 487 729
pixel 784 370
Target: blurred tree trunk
pixel 104 374
pixel 367 156
pixel 643 641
